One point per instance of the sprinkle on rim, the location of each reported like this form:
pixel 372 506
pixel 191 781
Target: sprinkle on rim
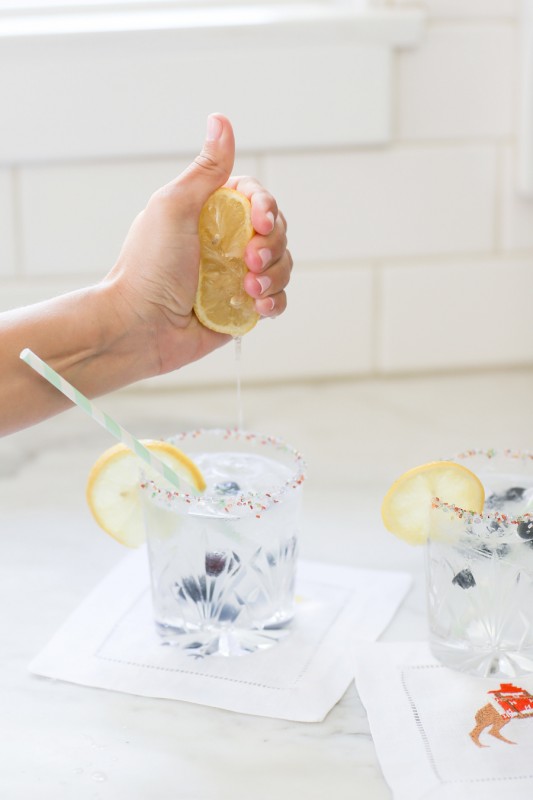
pixel 238 505
pixel 491 454
pixel 407 507
pixel 470 517
pixel 488 461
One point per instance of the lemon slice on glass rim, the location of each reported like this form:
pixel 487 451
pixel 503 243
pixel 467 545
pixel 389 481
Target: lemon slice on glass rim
pixel 113 494
pixel 406 508
pixel 225 228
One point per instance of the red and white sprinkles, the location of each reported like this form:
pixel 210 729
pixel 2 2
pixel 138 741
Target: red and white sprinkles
pixel 241 504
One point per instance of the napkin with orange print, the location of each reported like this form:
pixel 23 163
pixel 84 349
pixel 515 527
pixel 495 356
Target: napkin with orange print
pixel 442 734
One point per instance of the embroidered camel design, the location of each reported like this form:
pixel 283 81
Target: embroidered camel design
pixel 515 702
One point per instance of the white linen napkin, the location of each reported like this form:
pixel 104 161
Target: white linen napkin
pixel 432 726
pixel 110 642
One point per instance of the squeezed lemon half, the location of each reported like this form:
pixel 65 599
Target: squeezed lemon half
pixel 225 228
pixel 406 508
pixel 113 493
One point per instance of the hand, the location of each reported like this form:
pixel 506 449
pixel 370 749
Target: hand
pixel 155 278
pixel 266 255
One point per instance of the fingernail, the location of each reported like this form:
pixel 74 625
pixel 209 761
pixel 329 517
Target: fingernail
pixel 264 282
pixel 214 128
pixel 265 255
pixel 269 215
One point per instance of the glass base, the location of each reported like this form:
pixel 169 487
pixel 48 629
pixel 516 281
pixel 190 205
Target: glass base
pixel 484 663
pixel 220 641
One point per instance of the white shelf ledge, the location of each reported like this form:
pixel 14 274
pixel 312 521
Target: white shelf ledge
pixel 395 27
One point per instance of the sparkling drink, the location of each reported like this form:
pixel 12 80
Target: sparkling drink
pixel 480 571
pixel 223 564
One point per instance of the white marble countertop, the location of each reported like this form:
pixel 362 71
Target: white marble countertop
pixel 63 741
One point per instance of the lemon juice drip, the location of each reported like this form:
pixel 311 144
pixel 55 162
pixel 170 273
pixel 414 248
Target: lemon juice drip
pixel 238 372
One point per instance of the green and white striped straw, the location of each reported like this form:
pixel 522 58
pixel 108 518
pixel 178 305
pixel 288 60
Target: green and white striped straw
pixel 99 416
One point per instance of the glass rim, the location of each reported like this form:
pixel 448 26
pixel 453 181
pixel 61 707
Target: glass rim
pixel 492 452
pixel 243 503
pixel 475 517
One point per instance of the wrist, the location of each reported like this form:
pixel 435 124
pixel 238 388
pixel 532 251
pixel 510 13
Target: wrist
pixel 126 341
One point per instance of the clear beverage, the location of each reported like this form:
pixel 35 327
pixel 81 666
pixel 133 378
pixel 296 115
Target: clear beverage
pixel 480 572
pixel 223 565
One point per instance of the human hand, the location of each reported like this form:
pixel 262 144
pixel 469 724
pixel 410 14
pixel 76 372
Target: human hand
pixel 155 278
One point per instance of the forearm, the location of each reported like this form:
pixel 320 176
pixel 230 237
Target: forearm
pixel 85 336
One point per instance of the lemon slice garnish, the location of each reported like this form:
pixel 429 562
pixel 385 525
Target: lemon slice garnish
pixel 113 487
pixel 406 508
pixel 225 228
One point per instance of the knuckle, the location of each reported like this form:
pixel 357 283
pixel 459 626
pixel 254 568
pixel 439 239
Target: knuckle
pixel 208 164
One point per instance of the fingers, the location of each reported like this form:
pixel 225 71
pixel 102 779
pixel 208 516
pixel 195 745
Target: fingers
pixel 266 255
pixel 215 161
pixel 209 170
pixel 267 288
pixel 262 251
pixel 264 207
pixel 272 306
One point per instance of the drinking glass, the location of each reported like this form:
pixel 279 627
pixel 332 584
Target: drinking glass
pixel 480 571
pixel 223 564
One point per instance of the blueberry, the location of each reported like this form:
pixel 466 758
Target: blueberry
pixel 493 501
pixel 510 495
pixel 228 487
pixel 464 579
pixel 525 529
pixel 514 493
pixel 215 563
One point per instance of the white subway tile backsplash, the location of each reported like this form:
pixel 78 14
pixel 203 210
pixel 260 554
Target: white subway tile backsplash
pixel 456 315
pixel 460 83
pixel 393 202
pixel 413 256
pixel 123 96
pixel 516 210
pixel 7 227
pixel 325 331
pixel 74 217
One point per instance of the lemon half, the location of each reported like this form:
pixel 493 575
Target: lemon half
pixel 113 493
pixel 225 228
pixel 406 508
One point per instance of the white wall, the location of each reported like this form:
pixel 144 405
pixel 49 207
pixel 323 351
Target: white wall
pixel 412 255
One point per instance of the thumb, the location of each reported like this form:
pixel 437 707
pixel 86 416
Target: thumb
pixel 213 166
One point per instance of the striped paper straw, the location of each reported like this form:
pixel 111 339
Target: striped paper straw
pixel 99 416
